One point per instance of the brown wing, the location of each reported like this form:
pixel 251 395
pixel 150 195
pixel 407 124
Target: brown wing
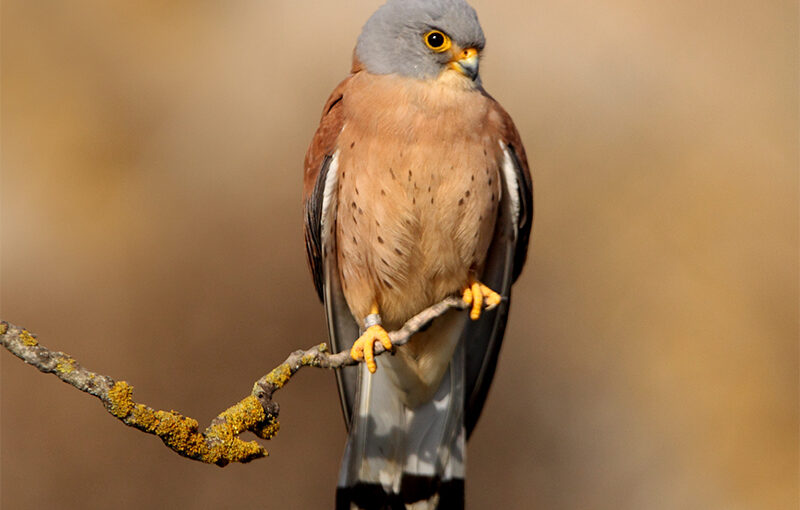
pixel 505 258
pixel 320 172
pixel 509 134
pixel 319 153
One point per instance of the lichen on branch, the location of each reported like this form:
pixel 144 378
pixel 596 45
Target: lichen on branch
pixel 219 443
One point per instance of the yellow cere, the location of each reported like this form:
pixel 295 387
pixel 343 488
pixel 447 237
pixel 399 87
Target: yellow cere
pixel 468 54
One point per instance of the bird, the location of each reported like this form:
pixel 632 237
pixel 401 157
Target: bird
pixel 416 187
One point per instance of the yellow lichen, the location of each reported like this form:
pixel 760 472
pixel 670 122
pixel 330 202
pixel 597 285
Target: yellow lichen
pixel 180 433
pixel 65 365
pixel 144 418
pixel 238 418
pixel 244 451
pixel 268 430
pixel 177 431
pixel 27 338
pixel 3 328
pixel 245 415
pixel 120 398
pixel 218 445
pixel 279 376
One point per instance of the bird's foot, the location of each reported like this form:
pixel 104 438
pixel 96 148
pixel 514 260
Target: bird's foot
pixel 476 294
pixel 364 347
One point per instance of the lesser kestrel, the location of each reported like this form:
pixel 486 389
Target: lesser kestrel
pixel 416 188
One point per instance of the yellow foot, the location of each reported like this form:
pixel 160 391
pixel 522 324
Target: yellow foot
pixel 364 347
pixel 476 294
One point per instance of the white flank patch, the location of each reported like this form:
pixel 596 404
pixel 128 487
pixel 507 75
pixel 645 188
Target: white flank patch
pixel 329 197
pixel 512 187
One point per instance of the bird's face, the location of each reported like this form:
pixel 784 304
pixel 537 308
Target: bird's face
pixel 423 39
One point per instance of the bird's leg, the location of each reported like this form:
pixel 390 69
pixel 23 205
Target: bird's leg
pixel 364 347
pixel 476 294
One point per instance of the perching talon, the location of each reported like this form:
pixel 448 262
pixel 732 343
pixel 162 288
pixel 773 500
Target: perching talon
pixel 476 294
pixel 364 347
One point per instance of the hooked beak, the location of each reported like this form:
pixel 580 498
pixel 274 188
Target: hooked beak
pixel 466 62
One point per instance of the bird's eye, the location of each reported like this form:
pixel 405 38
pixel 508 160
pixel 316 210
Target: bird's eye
pixel 437 41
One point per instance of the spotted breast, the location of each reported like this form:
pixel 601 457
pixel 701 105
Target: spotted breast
pixel 415 213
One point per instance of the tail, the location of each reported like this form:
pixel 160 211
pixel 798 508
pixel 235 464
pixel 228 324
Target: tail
pixel 399 457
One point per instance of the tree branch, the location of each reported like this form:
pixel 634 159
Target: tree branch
pixel 219 443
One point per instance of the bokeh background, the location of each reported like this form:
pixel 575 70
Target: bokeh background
pixel 151 227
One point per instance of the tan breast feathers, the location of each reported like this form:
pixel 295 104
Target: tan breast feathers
pixel 418 192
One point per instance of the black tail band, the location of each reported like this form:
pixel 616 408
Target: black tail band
pixel 413 488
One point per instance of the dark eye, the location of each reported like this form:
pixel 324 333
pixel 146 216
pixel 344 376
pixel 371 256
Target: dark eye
pixel 437 41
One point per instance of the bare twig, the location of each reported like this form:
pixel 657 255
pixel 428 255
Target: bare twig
pixel 219 443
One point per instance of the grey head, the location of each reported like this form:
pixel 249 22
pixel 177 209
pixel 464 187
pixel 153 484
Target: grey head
pixel 395 39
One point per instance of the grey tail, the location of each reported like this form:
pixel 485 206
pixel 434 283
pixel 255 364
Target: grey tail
pixel 405 458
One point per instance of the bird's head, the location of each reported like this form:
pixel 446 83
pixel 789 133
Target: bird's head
pixel 423 39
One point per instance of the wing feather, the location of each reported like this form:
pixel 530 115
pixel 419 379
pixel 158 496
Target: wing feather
pixel 322 148
pixel 505 259
pixel 510 136
pixel 320 191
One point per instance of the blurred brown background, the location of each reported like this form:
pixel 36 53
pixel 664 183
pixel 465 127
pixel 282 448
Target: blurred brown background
pixel 151 227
